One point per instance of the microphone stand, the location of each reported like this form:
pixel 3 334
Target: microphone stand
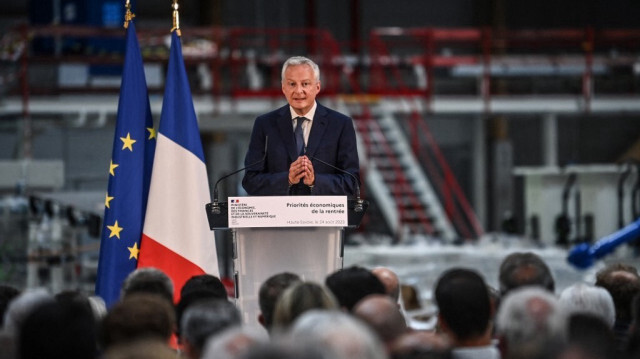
pixel 358 207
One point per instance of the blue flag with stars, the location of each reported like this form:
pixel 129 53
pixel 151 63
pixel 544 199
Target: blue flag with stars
pixel 129 176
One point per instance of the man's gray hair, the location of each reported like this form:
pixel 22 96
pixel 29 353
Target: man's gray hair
pixel 233 342
pixel 23 305
pixel 532 322
pixel 345 336
pixel 584 298
pixel 207 318
pixel 301 60
pixel 148 280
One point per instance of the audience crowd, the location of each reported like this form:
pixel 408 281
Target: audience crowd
pixel 357 313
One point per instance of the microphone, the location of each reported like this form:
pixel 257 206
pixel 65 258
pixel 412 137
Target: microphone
pixel 215 206
pixel 359 202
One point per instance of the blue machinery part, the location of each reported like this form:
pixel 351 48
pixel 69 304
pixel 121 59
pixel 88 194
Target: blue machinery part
pixel 583 256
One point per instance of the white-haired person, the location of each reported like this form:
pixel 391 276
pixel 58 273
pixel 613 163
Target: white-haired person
pixel 585 298
pixel 344 335
pixel 531 324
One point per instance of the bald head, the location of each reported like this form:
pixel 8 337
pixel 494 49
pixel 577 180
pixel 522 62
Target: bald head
pixel 390 281
pixel 382 315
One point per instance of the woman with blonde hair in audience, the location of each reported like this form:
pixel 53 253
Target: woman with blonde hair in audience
pixel 300 298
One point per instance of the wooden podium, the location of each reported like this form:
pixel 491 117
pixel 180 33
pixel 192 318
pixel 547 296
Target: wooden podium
pixel 298 234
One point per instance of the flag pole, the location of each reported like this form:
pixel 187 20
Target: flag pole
pixel 128 15
pixel 176 18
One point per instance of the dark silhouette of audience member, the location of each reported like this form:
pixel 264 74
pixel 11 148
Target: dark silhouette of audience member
pixel 269 293
pixel 633 344
pixel 59 330
pixel 198 288
pixel 205 319
pixel 94 304
pixel 17 311
pixel 204 282
pixel 523 269
pixel 530 324
pixel 21 306
pixel 383 316
pixel 299 298
pixel 390 281
pixel 7 294
pixel 352 284
pixel 140 349
pixel 465 314
pixel 148 280
pixel 138 316
pixel 623 283
pixel 590 337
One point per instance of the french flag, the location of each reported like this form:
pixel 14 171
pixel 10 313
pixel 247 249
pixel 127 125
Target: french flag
pixel 176 236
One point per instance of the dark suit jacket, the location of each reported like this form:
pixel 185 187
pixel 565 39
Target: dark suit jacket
pixel 332 139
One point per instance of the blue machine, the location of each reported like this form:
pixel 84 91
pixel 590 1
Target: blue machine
pixel 583 256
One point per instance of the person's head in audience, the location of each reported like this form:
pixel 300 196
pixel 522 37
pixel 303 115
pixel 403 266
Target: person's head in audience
pixel 464 307
pixel 584 298
pixel 299 298
pixel 204 282
pixel 633 344
pixel 148 280
pixel 351 284
pixel 198 288
pixel 390 281
pixel 233 342
pixel 17 311
pixel 204 319
pixel 269 293
pixel 94 304
pixel 521 269
pixel 7 294
pixel 22 305
pixel 530 324
pixel 286 350
pixel 140 349
pixel 623 283
pixel 589 337
pixel 60 329
pixel 138 316
pixel 344 335
pixel 382 314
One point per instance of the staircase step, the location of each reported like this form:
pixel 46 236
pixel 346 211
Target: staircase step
pixel 408 205
pixel 414 217
pixel 392 176
pixel 381 135
pixel 380 152
pixel 387 164
pixel 402 187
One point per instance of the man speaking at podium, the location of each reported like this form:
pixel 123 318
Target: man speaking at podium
pixel 302 140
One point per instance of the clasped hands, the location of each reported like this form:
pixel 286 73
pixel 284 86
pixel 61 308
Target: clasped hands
pixel 302 168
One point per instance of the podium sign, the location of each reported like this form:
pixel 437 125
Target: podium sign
pixel 288 211
pixel 275 234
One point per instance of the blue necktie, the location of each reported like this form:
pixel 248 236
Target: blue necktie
pixel 299 136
